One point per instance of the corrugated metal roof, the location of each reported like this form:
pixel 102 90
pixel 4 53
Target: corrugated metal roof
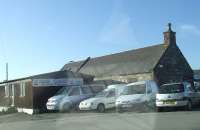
pixel 54 75
pixel 128 62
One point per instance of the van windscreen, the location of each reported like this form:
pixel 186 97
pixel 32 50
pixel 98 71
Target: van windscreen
pixel 102 93
pixel 63 91
pixel 135 89
pixel 171 88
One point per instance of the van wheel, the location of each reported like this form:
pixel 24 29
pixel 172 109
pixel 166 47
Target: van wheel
pixel 76 107
pixel 65 107
pixel 158 109
pixel 119 110
pixel 101 108
pixel 189 106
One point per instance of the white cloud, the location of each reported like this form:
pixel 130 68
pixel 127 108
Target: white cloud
pixel 117 32
pixel 118 29
pixel 187 28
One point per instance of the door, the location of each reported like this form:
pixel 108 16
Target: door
pixel 74 95
pixel 151 95
pixel 110 99
pixel 190 92
pixel 149 92
pixel 86 92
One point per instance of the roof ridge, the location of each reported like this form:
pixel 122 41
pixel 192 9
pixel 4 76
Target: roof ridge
pixel 92 58
pixel 129 50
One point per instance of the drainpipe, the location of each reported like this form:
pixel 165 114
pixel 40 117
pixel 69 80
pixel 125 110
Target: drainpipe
pixel 13 95
pixel 6 71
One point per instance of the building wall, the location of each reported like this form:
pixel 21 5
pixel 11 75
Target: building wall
pixel 4 101
pixel 35 98
pixel 173 67
pixel 27 100
pixel 22 102
pixel 128 78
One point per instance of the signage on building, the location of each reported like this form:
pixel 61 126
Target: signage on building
pixel 57 82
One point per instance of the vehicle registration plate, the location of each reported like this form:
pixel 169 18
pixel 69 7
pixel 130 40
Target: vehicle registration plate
pixel 50 107
pixel 169 102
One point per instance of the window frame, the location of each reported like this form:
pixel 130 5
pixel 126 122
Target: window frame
pixel 73 90
pixel 111 92
pixel 22 89
pixel 7 91
pixel 83 92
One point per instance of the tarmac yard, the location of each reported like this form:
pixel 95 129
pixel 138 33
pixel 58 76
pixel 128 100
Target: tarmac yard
pixel 181 120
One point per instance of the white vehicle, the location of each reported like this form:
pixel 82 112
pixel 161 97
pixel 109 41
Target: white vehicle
pixel 103 100
pixel 197 89
pixel 137 93
pixel 68 98
pixel 176 95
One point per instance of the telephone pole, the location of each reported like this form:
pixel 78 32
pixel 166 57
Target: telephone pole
pixel 6 71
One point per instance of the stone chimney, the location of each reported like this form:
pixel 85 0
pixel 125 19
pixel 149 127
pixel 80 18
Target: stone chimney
pixel 169 36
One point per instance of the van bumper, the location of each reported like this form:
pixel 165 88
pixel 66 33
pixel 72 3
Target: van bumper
pixel 171 104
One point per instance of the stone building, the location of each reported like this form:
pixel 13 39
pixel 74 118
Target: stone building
pixel 163 62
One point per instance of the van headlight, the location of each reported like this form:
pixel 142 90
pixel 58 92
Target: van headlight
pixel 118 102
pixel 53 101
pixel 87 104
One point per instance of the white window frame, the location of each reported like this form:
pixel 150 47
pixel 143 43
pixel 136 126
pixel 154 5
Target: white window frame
pixel 7 90
pixel 22 89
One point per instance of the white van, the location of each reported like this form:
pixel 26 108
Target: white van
pixel 137 93
pixel 68 98
pixel 104 99
pixel 176 95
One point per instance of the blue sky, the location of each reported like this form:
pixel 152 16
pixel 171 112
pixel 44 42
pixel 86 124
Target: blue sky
pixel 38 36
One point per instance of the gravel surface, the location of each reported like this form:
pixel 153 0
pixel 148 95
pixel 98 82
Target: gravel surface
pixel 180 120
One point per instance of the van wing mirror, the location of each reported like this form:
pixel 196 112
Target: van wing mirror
pixel 120 93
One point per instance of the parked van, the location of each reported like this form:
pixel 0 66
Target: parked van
pixel 137 93
pixel 104 99
pixel 177 95
pixel 68 98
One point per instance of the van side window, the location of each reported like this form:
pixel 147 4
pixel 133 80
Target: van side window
pixel 111 93
pixel 86 90
pixel 135 89
pixel 75 91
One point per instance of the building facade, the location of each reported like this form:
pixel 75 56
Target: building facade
pixel 30 94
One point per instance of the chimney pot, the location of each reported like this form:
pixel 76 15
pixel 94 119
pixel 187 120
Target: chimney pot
pixel 169 36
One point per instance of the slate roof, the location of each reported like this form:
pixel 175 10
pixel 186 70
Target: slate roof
pixel 129 62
